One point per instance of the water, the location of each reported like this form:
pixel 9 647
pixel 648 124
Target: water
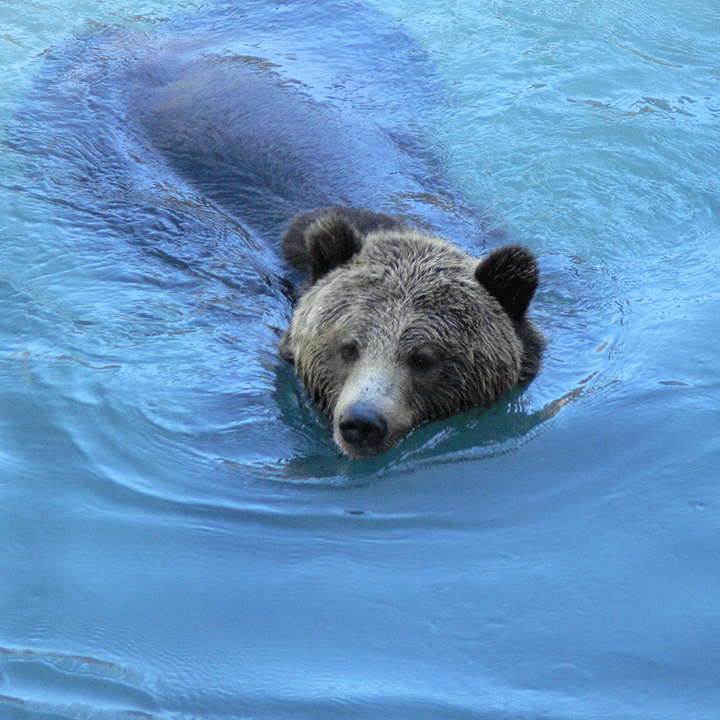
pixel 178 537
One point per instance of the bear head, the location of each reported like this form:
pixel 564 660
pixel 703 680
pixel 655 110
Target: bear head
pixel 399 327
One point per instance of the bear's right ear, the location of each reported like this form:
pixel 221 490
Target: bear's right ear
pixel 510 274
pixel 330 241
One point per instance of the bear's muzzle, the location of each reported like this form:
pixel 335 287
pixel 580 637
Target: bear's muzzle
pixel 371 413
pixel 363 427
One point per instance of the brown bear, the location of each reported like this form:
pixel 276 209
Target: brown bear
pixel 399 326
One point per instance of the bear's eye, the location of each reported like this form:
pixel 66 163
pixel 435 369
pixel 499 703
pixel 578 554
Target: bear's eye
pixel 421 361
pixel 349 352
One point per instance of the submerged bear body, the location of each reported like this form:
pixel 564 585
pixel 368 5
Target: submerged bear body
pixel 400 326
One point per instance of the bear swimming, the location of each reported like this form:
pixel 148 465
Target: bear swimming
pixel 245 114
pixel 400 327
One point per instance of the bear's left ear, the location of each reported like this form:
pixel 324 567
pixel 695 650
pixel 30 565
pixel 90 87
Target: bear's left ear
pixel 510 274
pixel 330 241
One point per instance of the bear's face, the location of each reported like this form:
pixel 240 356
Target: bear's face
pixel 398 332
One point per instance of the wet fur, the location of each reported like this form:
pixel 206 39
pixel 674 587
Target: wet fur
pixel 404 323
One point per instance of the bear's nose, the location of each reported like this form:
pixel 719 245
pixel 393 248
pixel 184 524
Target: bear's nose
pixel 363 427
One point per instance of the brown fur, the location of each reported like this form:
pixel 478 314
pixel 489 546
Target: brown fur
pixel 400 327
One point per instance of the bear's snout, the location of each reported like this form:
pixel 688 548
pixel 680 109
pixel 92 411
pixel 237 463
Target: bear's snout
pixel 371 412
pixel 363 427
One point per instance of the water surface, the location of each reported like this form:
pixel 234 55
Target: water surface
pixel 178 536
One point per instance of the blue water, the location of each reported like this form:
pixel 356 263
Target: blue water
pixel 179 537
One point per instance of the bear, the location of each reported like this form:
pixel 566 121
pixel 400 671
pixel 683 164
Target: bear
pixel 398 327
pixel 202 154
